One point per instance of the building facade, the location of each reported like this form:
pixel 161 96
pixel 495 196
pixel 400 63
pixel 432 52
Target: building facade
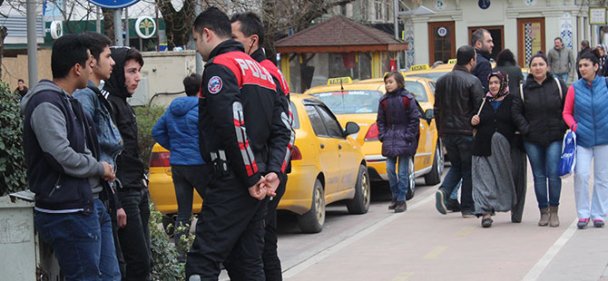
pixel 523 26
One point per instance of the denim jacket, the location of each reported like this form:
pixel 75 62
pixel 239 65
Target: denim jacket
pixel 98 108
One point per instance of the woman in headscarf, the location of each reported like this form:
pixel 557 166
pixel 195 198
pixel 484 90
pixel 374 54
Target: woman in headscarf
pixel 495 124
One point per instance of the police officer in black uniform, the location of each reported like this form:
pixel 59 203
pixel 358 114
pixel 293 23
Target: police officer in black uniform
pixel 248 29
pixel 245 139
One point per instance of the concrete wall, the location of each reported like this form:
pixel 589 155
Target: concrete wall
pixel 162 72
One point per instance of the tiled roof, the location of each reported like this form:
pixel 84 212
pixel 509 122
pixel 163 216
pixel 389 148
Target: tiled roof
pixel 340 31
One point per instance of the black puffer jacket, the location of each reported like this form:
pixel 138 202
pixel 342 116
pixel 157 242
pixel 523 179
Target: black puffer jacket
pixel 542 108
pixel 130 168
pixel 458 95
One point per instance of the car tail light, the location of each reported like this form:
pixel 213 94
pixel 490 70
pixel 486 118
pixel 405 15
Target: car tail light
pixel 296 154
pixel 372 133
pixel 159 159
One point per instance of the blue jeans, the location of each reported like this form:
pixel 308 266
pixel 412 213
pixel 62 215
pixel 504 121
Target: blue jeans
pixel 545 165
pixel 83 243
pixel 459 149
pixel 562 76
pixel 398 184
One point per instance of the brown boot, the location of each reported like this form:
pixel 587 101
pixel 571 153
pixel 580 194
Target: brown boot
pixel 544 217
pixel 553 218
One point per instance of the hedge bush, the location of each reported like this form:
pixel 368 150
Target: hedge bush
pixel 12 162
pixel 146 118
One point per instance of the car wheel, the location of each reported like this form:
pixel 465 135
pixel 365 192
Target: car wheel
pixel 360 203
pixel 411 178
pixel 313 220
pixel 434 176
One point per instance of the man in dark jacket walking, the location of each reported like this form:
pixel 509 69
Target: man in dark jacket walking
pixel 457 97
pixel 482 41
pixel 177 131
pixel 133 189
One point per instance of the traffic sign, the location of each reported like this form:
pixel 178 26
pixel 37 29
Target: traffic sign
pixel 114 4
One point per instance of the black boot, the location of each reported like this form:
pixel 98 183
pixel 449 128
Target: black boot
pixel 401 206
pixel 453 205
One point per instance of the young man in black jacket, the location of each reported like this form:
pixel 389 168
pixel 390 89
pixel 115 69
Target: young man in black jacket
pixel 248 29
pixel 133 188
pixel 458 96
pixel 245 140
pixel 61 153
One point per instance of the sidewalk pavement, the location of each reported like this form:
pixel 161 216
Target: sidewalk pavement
pixel 422 244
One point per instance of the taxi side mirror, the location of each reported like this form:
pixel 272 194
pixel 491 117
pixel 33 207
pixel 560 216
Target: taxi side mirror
pixel 428 115
pixel 351 128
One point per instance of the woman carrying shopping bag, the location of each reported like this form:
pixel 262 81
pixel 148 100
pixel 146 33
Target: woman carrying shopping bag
pixel 542 96
pixel 398 121
pixel 493 182
pixel 586 113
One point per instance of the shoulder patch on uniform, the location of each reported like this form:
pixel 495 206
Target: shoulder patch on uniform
pixel 215 85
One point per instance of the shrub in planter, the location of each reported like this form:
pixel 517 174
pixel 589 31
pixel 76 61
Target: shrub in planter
pixel 146 118
pixel 12 163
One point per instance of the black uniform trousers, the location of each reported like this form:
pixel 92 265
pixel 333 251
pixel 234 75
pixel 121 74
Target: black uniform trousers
pixel 231 224
pixel 270 255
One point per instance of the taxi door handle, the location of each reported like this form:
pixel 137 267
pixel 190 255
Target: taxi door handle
pixel 339 146
pixel 322 146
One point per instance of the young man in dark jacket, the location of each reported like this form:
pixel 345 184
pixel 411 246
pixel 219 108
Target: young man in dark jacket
pixel 177 131
pixel 482 41
pixel 248 29
pixel 458 95
pixel 61 153
pixel 244 138
pixel 133 189
pixel 97 107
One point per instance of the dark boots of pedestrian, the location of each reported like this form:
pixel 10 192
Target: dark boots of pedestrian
pixel 453 205
pixel 544 217
pixel 400 206
pixel 553 218
pixel 392 205
pixel 486 221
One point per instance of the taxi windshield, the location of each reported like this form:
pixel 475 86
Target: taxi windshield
pixel 351 102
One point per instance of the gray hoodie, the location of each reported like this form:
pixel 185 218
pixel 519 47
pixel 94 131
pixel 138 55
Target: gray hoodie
pixel 49 126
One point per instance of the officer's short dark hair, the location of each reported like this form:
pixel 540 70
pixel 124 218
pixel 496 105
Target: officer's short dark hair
pixel 134 54
pixel 559 38
pixel 464 54
pixel 68 51
pixel 250 24
pixel 478 35
pixel 192 84
pixel 215 20
pixel 96 42
pixel 20 80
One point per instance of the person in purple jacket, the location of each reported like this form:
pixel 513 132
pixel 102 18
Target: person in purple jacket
pixel 398 121
pixel 177 131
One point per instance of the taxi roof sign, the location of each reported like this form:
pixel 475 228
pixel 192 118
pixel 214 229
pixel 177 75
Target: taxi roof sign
pixel 416 67
pixel 452 61
pixel 339 80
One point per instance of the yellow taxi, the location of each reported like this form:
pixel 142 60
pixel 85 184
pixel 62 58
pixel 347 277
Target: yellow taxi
pixel 162 192
pixel 358 102
pixel 327 165
pixel 425 71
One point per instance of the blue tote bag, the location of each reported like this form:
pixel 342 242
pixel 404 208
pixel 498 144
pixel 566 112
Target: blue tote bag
pixel 568 157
